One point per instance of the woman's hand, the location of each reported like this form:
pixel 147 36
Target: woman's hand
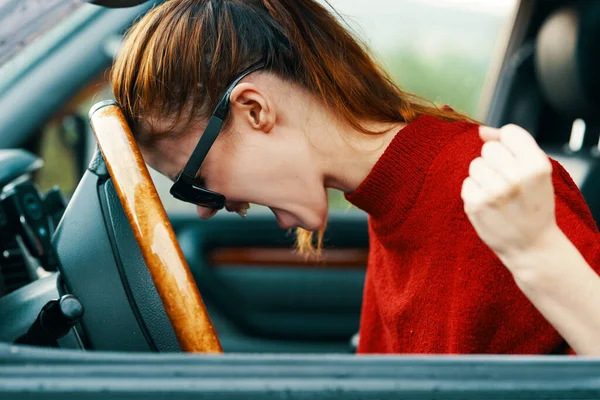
pixel 509 199
pixel 508 196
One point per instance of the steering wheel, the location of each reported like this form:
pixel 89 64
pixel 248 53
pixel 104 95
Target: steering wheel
pixel 152 230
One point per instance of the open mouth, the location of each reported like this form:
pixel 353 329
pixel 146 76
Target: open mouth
pixel 284 221
pixel 241 208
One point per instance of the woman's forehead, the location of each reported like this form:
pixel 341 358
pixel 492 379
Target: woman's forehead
pixel 163 159
pixel 152 127
pixel 166 147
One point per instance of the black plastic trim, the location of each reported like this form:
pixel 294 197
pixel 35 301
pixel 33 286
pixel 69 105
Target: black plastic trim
pixel 118 261
pixel 117 3
pixel 98 166
pixel 88 267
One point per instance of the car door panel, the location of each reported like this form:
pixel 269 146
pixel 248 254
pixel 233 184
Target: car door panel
pixel 255 284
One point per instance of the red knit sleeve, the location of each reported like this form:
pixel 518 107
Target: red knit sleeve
pixel 574 218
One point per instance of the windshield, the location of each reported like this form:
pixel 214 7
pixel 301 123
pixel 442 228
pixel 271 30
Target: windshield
pixel 23 21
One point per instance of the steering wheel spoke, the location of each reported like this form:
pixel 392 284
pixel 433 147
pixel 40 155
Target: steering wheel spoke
pixel 153 231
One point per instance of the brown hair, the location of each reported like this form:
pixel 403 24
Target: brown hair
pixel 182 54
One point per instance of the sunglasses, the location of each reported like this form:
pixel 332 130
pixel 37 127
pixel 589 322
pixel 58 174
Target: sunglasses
pixel 187 188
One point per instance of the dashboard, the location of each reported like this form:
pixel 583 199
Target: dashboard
pixel 28 218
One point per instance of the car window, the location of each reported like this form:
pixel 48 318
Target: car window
pixel 439 49
pixel 23 21
pixel 66 143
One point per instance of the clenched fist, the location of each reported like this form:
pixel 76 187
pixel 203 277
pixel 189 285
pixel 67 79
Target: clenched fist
pixel 508 195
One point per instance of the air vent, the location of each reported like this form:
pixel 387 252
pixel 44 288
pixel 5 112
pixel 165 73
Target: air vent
pixel 13 271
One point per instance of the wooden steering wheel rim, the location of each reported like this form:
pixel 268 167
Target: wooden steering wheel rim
pixel 153 231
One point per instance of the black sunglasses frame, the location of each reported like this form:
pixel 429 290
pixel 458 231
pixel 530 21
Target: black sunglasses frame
pixel 186 187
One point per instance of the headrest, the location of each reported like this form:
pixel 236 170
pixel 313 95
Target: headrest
pixel 568 59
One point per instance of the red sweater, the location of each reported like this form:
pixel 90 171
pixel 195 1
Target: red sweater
pixel 432 286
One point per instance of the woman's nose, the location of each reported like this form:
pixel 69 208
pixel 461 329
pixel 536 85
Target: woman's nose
pixel 205 213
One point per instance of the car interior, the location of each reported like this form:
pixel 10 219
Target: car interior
pixel 81 315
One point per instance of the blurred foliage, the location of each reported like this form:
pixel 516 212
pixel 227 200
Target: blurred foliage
pixel 449 78
pixel 60 167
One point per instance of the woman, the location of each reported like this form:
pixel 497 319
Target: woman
pixel 510 200
pixel 298 106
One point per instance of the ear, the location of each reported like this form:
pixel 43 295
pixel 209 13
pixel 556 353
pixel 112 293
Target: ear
pixel 254 106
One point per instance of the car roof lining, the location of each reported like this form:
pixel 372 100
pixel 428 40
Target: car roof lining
pixel 72 54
